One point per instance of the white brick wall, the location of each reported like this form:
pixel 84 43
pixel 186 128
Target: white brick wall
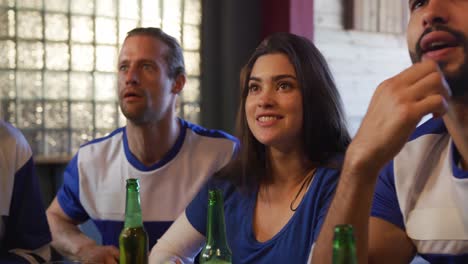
pixel 359 61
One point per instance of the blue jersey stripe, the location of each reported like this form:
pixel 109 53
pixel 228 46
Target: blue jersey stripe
pixel 432 126
pixel 445 258
pixel 110 231
pixel 68 195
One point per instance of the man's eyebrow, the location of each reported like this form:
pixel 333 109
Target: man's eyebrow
pixel 138 61
pixel 146 61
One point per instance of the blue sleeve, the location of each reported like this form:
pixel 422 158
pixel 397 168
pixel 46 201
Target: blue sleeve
pixel 197 209
pixel 68 195
pixel 385 204
pixel 328 187
pixel 26 226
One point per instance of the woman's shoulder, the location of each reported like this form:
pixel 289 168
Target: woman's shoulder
pixel 227 187
pixel 327 176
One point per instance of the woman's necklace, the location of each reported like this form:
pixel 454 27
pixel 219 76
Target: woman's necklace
pixel 307 181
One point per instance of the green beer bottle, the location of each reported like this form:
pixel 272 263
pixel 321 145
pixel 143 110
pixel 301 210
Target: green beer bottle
pixel 344 249
pixel 216 250
pixel 133 240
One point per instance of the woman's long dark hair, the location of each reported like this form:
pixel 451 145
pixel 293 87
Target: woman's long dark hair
pixel 325 133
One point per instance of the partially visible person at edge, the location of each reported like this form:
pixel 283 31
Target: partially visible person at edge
pixel 24 232
pixel 171 157
pixel 420 201
pixel 277 189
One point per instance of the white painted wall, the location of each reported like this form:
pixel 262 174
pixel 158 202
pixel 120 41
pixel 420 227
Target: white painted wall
pixel 359 61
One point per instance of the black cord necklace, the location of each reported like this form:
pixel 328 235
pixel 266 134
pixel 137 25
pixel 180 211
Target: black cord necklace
pixel 307 181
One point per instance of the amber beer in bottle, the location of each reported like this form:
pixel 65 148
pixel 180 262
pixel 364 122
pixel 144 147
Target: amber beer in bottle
pixel 133 240
pixel 344 248
pixel 216 250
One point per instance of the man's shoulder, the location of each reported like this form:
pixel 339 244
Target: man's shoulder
pixel 206 132
pixel 114 136
pixel 433 126
pixel 209 140
pixel 427 142
pixel 424 150
pixel 11 137
pixel 101 147
pixel 425 145
pixel 14 148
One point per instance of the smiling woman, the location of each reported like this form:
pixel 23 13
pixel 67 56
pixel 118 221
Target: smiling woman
pixel 274 102
pixel 293 135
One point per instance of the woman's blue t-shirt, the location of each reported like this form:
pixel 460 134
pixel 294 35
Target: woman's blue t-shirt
pixel 292 244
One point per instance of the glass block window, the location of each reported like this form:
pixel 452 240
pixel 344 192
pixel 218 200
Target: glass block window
pixel 59 59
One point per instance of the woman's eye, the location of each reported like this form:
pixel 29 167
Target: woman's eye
pixel 284 85
pixel 253 88
pixel 417 4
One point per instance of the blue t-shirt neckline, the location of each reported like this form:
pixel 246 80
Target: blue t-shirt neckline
pixel 167 157
pixel 248 228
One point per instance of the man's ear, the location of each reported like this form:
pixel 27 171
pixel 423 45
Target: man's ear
pixel 179 83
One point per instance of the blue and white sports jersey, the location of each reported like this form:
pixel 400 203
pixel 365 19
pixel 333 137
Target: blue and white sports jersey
pixel 24 232
pixel 292 244
pixel 94 180
pixel 424 192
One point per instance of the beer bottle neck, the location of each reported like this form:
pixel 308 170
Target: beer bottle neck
pixel 216 228
pixel 344 248
pixel 133 216
pixel 344 239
